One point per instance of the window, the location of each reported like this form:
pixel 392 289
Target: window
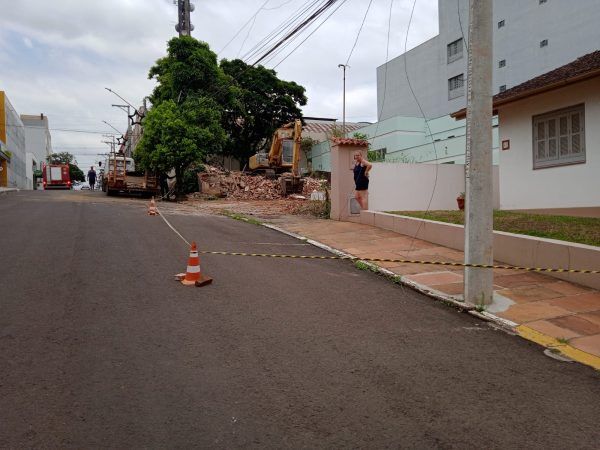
pixel 501 23
pixel 455 50
pixel 543 1
pixel 502 63
pixel 377 155
pixel 502 88
pixel 544 43
pixel 559 138
pixel 456 87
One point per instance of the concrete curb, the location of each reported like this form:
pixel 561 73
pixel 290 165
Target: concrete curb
pixel 6 191
pixel 502 324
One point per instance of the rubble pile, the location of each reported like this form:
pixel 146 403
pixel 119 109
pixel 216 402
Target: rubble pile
pixel 240 186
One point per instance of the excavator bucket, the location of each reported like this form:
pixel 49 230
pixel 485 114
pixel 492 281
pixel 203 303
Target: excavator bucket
pixel 290 184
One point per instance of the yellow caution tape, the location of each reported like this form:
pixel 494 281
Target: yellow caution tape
pixel 406 261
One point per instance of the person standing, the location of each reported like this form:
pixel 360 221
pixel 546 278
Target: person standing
pixel 362 167
pixel 91 176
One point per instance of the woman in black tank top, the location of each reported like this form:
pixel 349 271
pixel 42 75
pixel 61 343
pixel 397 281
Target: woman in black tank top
pixel 361 179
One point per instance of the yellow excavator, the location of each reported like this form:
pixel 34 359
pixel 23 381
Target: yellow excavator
pixel 283 158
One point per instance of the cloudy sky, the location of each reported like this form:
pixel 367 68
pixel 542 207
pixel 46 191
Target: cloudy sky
pixel 57 56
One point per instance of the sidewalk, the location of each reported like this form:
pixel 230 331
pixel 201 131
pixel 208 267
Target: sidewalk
pixel 5 190
pixel 549 311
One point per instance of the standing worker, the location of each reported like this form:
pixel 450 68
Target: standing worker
pixel 362 167
pixel 91 176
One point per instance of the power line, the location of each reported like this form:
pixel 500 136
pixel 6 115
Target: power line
pixel 243 26
pixel 313 32
pixel 70 130
pixel 359 31
pixel 281 29
pixel 298 28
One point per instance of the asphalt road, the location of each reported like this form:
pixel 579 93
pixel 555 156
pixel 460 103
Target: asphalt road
pixel 100 348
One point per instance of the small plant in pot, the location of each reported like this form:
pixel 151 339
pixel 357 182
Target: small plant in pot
pixel 461 201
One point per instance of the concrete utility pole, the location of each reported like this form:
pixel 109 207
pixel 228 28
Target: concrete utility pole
pixel 344 66
pixel 184 25
pixel 479 182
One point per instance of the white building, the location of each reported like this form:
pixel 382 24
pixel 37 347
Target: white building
pixel 12 146
pixel 38 143
pixel 531 37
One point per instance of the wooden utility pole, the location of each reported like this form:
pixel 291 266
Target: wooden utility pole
pixel 479 176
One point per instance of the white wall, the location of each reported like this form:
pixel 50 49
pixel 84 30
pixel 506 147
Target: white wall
pixel 37 138
pixel 31 164
pixel 410 187
pixel 576 185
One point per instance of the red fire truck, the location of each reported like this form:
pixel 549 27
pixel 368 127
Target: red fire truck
pixel 56 176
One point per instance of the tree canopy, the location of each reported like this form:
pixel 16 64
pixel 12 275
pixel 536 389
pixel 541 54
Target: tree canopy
pixel 176 136
pixel 189 69
pixel 262 104
pixel 201 108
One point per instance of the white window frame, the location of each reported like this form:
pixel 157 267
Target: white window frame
pixel 454 50
pixel 456 86
pixel 555 136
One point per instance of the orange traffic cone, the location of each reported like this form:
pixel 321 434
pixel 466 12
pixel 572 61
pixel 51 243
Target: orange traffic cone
pixel 193 275
pixel 152 210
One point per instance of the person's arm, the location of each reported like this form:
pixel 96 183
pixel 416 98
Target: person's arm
pixel 368 167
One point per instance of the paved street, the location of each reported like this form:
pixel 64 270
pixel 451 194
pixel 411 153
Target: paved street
pixel 100 348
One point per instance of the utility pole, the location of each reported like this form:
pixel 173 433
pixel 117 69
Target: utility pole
pixel 344 66
pixel 184 25
pixel 478 175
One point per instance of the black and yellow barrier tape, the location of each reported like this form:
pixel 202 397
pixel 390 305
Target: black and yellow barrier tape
pixel 405 261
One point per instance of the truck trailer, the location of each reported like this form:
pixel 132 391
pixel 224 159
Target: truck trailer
pixel 56 176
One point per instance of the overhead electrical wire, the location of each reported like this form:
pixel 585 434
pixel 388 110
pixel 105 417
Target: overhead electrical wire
pixel 328 4
pixel 359 31
pixel 280 30
pixel 253 16
pixel 313 32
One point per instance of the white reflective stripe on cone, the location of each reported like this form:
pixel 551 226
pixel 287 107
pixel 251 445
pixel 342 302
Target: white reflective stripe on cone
pixel 193 269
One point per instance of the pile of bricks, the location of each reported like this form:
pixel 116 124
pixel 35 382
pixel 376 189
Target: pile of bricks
pixel 240 186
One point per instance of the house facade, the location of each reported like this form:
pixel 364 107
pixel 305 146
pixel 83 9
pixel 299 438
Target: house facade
pixel 550 139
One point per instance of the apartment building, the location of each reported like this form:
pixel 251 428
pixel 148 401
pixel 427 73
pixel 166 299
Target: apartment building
pixel 12 146
pixel 531 37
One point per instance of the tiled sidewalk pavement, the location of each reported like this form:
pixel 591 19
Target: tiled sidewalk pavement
pixel 557 309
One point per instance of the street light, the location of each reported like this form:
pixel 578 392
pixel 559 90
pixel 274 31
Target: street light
pixel 111 126
pixel 344 66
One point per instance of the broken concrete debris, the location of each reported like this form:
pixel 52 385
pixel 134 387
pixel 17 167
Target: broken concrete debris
pixel 242 186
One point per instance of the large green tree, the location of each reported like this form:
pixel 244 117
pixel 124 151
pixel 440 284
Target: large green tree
pixel 179 135
pixel 262 103
pixel 189 69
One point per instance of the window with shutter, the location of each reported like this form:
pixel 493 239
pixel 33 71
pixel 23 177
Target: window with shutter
pixel 455 50
pixel 559 137
pixel 456 87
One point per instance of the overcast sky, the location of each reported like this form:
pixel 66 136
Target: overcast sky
pixel 57 56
